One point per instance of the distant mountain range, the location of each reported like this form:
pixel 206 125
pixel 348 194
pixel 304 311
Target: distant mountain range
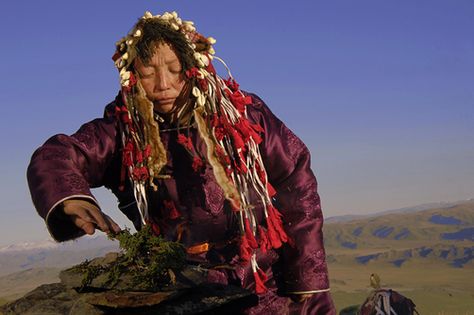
pixel 29 246
pixel 24 256
pixel 421 207
pixel 85 242
pixel 444 234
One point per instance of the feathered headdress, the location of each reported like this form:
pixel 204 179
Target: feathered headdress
pixel 219 109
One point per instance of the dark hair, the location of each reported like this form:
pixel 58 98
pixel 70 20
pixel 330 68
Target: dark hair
pixel 156 32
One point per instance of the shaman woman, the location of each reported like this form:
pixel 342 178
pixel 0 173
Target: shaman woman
pixel 199 160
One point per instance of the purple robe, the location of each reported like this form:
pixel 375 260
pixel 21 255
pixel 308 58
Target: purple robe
pixel 190 206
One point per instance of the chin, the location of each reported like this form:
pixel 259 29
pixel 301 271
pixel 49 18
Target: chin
pixel 163 108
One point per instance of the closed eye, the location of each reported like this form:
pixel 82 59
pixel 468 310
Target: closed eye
pixel 146 75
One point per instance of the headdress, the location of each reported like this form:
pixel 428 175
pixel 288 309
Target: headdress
pixel 219 109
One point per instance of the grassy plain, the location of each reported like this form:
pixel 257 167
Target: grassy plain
pixel 435 288
pixel 15 285
pixel 433 249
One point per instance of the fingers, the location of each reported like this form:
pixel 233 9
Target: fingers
pixel 100 219
pixel 87 216
pixel 86 226
pixel 114 226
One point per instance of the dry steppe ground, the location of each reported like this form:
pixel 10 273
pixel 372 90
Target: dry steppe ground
pixel 435 289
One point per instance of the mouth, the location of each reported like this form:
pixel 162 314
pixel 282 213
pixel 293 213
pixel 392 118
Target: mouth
pixel 163 101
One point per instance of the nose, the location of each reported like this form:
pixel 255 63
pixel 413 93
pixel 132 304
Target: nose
pixel 162 80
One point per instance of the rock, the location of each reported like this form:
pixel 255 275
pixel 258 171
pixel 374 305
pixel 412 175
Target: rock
pixel 115 299
pixel 51 299
pixel 57 299
pixel 189 294
pixel 81 307
pixel 73 278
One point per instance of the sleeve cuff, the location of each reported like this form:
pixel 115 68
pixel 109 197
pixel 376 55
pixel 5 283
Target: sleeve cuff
pixel 310 292
pixel 60 226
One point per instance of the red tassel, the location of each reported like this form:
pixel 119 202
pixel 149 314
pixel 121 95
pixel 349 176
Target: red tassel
pixel 240 164
pixel 132 80
pixel 261 173
pixel 272 235
pixel 260 287
pixel 249 235
pixel 234 98
pixel 185 141
pixel 275 217
pixel 139 156
pixel 219 133
pixel 257 128
pixel 192 73
pixel 197 163
pixel 171 209
pixel 263 243
pixel 238 100
pixel 262 275
pixel 231 84
pixel 127 154
pixel 256 137
pixel 214 120
pixel 243 127
pixel 140 173
pixel 248 130
pixel 245 250
pixel 272 211
pixel 271 191
pixel 122 114
pixel 147 151
pixel 238 141
pixel 203 84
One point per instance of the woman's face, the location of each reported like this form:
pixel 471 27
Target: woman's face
pixel 162 78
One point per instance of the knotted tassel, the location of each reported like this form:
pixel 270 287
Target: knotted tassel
pixel 275 218
pixel 260 287
pixel 245 249
pixel 197 164
pixel 171 209
pixel 273 235
pixel 249 235
pixel 264 243
pixel 271 191
pixel 262 275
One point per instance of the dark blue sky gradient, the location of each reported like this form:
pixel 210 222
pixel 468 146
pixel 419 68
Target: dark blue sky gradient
pixel 380 91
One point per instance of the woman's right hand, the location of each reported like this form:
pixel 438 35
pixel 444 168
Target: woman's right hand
pixel 87 216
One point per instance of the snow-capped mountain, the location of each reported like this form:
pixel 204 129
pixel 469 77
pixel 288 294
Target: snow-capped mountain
pixel 28 246
pixel 26 255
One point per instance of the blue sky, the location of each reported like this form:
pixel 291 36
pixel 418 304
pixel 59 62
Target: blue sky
pixel 380 91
